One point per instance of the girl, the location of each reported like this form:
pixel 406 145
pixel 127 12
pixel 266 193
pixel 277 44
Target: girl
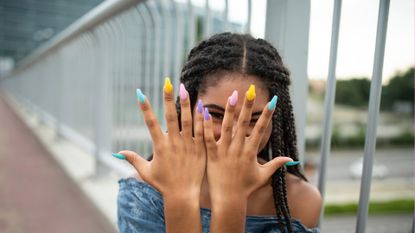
pixel 228 162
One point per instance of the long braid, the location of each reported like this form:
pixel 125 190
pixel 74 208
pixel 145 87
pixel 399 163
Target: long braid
pixel 244 54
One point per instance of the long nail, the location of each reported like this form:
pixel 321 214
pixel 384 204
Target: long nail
pixel 250 94
pixel 234 98
pixel 118 156
pixel 206 114
pixel 292 163
pixel 140 96
pixel 273 103
pixel 199 106
pixel 183 93
pixel 168 88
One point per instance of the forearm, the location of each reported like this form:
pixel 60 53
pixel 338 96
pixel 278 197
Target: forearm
pixel 228 215
pixel 182 214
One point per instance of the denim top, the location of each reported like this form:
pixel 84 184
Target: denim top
pixel 140 210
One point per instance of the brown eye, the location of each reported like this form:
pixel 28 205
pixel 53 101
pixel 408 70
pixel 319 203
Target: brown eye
pixel 216 115
pixel 253 122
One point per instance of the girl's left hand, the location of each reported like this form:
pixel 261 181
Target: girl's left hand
pixel 232 169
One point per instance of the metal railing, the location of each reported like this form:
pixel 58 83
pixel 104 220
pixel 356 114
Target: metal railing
pixel 83 81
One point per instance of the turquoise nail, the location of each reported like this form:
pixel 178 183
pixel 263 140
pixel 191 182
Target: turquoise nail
pixel 118 156
pixel 273 103
pixel 292 163
pixel 141 97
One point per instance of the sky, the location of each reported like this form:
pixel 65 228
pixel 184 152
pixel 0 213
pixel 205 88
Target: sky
pixel 357 36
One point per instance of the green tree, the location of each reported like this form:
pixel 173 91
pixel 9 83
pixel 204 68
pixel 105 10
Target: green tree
pixel 353 92
pixel 399 88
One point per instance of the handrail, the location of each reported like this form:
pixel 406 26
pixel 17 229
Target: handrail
pixel 99 14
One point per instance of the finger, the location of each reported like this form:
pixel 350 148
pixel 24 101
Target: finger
pixel 198 127
pixel 138 162
pixel 149 117
pixel 186 115
pixel 270 167
pixel 245 115
pixel 170 109
pixel 227 123
pixel 208 134
pixel 262 123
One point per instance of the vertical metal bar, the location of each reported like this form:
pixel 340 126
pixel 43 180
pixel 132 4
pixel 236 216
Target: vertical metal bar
pixel 168 25
pixel 225 19
pixel 191 33
pixel 248 22
pixel 329 101
pixel 207 20
pixel 178 53
pixel 374 102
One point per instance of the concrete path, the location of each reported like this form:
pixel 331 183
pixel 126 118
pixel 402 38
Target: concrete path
pixel 36 195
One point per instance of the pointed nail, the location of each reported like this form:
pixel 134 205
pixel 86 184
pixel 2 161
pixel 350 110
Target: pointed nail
pixel 183 92
pixel 250 94
pixel 118 156
pixel 234 98
pixel 140 96
pixel 206 114
pixel 273 103
pixel 292 163
pixel 168 87
pixel 199 106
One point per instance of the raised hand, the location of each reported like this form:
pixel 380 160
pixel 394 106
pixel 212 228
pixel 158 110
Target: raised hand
pixel 232 169
pixel 179 159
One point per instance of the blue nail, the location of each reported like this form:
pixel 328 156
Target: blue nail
pixel 292 163
pixel 273 103
pixel 141 97
pixel 118 156
pixel 199 106
pixel 206 114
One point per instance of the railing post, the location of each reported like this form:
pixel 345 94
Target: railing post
pixel 374 102
pixel 329 102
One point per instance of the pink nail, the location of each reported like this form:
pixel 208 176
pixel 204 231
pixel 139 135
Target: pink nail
pixel 234 98
pixel 183 92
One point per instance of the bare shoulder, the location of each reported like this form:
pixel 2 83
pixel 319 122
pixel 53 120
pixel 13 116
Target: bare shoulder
pixel 304 201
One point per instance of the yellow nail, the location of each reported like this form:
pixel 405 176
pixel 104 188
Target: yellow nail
pixel 168 88
pixel 250 94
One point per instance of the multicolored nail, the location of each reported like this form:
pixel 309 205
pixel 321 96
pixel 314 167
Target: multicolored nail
pixel 234 98
pixel 168 87
pixel 250 94
pixel 183 93
pixel 273 103
pixel 140 96
pixel 292 163
pixel 199 106
pixel 118 156
pixel 207 114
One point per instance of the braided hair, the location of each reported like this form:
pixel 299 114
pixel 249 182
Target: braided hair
pixel 244 54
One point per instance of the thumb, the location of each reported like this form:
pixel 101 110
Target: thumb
pixel 134 159
pixel 270 167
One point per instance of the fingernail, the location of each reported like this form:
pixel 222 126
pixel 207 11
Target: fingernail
pixel 183 92
pixel 206 114
pixel 141 97
pixel 273 103
pixel 292 163
pixel 168 88
pixel 250 94
pixel 234 98
pixel 118 156
pixel 199 106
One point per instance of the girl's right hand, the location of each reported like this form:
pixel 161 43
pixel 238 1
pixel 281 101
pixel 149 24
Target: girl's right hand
pixel 179 159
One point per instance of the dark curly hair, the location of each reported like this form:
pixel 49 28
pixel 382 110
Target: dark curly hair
pixel 230 52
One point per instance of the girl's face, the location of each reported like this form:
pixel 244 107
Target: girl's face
pixel 216 95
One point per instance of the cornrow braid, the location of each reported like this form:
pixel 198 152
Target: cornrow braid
pixel 244 54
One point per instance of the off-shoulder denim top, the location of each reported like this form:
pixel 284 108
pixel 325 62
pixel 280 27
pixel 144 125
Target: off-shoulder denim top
pixel 140 210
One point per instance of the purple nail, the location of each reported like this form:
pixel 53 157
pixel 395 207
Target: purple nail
pixel 199 106
pixel 183 92
pixel 206 114
pixel 234 98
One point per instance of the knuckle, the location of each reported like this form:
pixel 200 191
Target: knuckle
pixel 151 122
pixel 186 123
pixel 170 118
pixel 227 128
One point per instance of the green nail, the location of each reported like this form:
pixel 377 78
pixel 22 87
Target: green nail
pixel 292 163
pixel 141 97
pixel 118 156
pixel 273 103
